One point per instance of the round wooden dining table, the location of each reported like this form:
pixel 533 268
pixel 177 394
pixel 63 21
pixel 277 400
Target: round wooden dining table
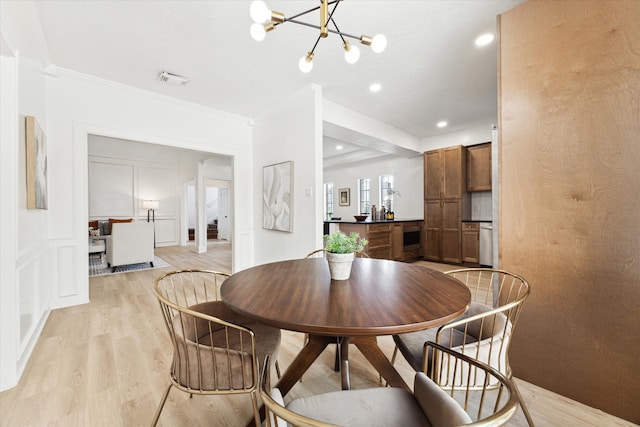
pixel 381 297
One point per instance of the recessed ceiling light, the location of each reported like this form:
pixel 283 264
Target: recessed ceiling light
pixel 338 147
pixel 375 87
pixel 484 39
pixel 442 124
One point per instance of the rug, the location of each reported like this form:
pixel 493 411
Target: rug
pixel 98 265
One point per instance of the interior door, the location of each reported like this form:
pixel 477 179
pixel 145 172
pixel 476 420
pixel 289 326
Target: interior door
pixel 223 214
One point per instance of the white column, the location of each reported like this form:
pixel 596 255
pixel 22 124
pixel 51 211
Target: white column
pixel 201 217
pixel 8 221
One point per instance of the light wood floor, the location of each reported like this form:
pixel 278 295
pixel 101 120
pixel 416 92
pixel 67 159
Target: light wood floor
pixel 106 363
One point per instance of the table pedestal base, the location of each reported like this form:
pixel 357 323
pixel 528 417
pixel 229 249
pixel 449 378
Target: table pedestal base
pixel 316 345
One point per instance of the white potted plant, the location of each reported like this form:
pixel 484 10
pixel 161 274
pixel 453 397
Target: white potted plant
pixel 341 250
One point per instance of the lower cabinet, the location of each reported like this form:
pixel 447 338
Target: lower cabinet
pixel 406 240
pixel 399 241
pixel 442 240
pixel 378 235
pixel 471 242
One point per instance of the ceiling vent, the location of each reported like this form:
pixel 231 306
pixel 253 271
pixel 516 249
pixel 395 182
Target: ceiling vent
pixel 173 79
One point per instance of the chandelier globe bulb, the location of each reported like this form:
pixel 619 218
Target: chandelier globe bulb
pixel 257 32
pixel 305 64
pixel 352 54
pixel 259 12
pixel 378 43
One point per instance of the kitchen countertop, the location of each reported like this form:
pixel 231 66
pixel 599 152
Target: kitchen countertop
pixel 368 221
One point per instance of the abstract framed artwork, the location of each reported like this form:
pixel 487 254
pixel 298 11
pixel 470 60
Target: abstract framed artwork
pixel 277 197
pixel 344 197
pixel 36 153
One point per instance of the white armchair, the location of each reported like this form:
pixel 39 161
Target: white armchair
pixel 130 243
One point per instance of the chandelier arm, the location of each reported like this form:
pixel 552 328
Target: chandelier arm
pixel 330 19
pixel 318 27
pixel 337 29
pixel 314 45
pixel 311 10
pixel 302 13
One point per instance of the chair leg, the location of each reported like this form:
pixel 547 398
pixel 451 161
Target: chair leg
pixel 395 353
pixel 278 369
pixel 161 406
pixel 523 405
pixel 256 411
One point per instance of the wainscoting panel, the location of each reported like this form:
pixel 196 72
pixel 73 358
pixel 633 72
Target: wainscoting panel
pixel 166 231
pixel 110 189
pixel 67 284
pixel 28 292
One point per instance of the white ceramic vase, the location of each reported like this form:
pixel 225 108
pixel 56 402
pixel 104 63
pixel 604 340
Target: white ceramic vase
pixel 340 265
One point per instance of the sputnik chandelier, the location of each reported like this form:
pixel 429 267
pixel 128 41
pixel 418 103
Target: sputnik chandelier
pixel 266 20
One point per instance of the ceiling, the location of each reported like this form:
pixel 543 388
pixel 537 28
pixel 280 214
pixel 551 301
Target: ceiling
pixel 430 71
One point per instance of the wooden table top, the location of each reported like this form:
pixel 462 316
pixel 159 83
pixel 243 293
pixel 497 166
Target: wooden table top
pixel 381 297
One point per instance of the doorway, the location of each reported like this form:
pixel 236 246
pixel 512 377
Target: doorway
pixel 217 215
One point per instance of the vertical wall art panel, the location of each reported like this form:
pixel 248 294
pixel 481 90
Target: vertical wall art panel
pixel 277 197
pixel 36 165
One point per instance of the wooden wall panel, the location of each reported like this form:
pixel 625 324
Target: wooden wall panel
pixel 569 191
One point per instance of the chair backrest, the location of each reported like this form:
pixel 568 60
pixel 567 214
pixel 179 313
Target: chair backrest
pixel 492 402
pixel 469 406
pixel 130 243
pixel 484 331
pixel 321 253
pixel 213 353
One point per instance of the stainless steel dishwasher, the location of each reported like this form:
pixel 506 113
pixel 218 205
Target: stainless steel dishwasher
pixel 486 244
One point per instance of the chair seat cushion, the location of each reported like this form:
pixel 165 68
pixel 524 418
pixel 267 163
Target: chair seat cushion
pixel 411 344
pixel 267 338
pixel 384 406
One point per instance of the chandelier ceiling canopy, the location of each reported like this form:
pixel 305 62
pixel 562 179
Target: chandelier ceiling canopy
pixel 266 20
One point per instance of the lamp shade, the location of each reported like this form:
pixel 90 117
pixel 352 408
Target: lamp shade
pixel 150 204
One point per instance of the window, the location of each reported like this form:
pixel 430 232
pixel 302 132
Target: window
pixel 364 196
pixel 328 199
pixel 386 192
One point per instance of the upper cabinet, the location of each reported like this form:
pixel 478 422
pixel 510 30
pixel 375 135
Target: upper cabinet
pixel 444 178
pixel 479 167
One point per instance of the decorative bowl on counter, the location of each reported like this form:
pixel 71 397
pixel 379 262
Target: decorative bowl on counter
pixel 360 217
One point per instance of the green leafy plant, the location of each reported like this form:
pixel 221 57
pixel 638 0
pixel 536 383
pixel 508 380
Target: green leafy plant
pixel 340 243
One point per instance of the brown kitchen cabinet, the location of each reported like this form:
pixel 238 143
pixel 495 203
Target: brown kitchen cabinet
pixel 445 173
pixel 471 243
pixel 406 240
pixel 479 167
pixel 446 203
pixel 378 235
pixel 442 231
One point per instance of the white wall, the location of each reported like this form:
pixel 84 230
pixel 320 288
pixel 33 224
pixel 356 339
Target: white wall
pixel 85 105
pixel 25 255
pixel 291 130
pixel 49 263
pixel 408 177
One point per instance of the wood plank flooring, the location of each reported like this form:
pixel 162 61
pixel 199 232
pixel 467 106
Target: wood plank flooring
pixel 106 363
